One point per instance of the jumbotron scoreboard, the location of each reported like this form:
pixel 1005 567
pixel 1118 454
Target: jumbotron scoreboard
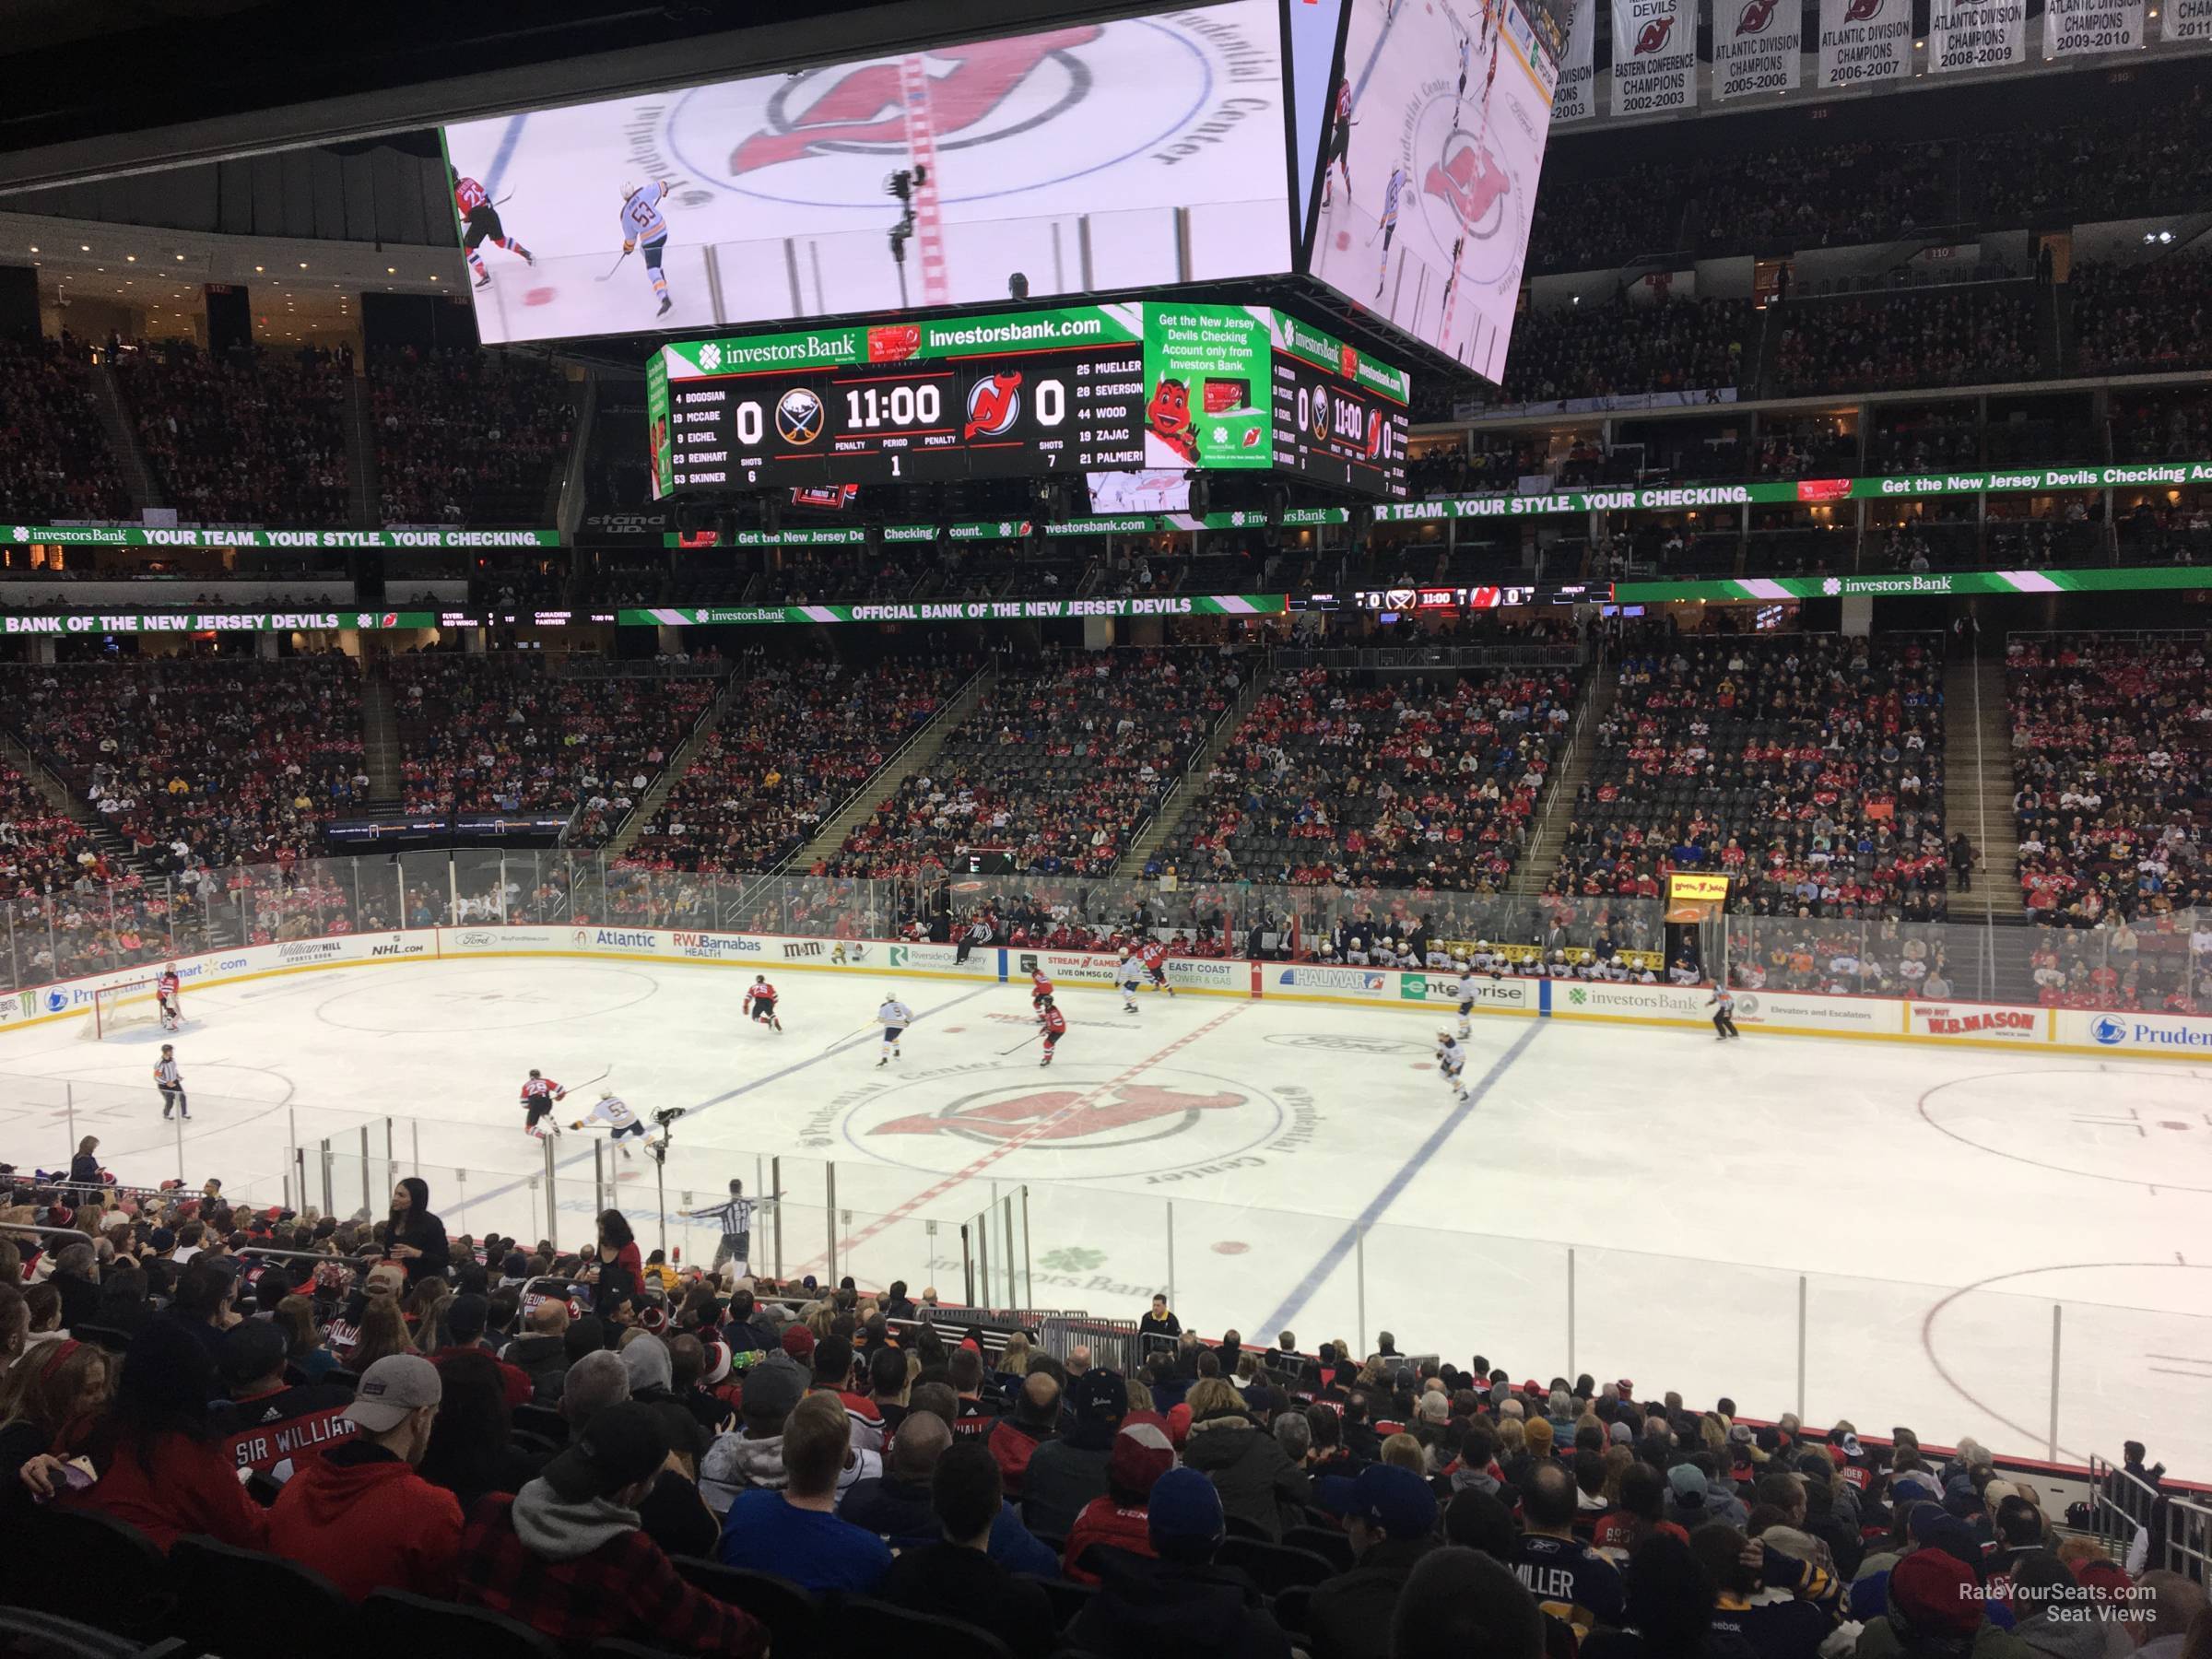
pixel 1022 394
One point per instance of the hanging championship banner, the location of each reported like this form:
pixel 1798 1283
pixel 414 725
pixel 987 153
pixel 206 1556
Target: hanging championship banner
pixel 2186 20
pixel 1575 98
pixel 1981 34
pixel 1755 47
pixel 2084 28
pixel 1864 41
pixel 1654 56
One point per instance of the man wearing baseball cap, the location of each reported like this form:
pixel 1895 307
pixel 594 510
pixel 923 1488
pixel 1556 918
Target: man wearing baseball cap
pixel 360 1514
pixel 1390 1515
pixel 1180 1602
pixel 1065 1474
pixel 565 1557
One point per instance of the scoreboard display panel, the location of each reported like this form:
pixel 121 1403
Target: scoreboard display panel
pixel 1022 394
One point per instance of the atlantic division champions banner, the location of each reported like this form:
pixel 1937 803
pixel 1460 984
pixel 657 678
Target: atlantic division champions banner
pixel 2179 20
pixel 1980 35
pixel 1575 98
pixel 1755 47
pixel 1654 56
pixel 1864 41
pixel 2084 28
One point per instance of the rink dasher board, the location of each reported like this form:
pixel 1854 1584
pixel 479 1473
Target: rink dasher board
pixel 1891 1020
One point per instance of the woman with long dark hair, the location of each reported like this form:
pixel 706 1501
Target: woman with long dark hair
pixel 49 1400
pixel 472 1450
pixel 621 1268
pixel 415 1238
pixel 159 1467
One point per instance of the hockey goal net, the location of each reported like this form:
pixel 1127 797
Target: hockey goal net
pixel 118 1007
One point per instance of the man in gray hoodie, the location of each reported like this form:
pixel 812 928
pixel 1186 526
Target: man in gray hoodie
pixel 753 1456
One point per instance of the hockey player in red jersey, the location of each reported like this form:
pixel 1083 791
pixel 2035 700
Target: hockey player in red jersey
pixel 481 221
pixel 761 1001
pixel 1055 1028
pixel 1156 964
pixel 538 1095
pixel 165 998
pixel 1040 993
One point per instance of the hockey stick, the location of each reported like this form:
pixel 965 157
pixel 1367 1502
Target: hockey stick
pixel 848 1037
pixel 1023 1043
pixel 616 267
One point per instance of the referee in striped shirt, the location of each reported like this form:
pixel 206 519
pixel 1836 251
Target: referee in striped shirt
pixel 171 1082
pixel 736 1219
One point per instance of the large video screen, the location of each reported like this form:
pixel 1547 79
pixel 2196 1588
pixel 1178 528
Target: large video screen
pixel 1095 155
pixel 1429 169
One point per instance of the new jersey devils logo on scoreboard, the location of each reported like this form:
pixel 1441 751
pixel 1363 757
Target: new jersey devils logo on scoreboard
pixel 995 404
pixel 1469 180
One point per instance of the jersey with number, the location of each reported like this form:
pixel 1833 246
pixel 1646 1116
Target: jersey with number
pixel 1344 100
pixel 1056 1023
pixel 469 195
pixel 642 220
pixel 1156 957
pixel 539 1090
pixel 1450 1057
pixel 761 992
pixel 614 1111
pixel 894 1014
pixel 165 987
pixel 1040 985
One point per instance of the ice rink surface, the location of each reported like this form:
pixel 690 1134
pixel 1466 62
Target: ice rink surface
pixel 1630 1201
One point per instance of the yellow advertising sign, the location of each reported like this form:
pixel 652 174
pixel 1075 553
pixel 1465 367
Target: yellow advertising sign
pixel 1707 889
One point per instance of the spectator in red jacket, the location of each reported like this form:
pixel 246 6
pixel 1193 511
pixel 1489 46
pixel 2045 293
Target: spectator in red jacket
pixel 361 1516
pixel 565 1555
pixel 1120 1520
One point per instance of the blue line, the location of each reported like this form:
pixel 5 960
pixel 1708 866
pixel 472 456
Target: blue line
pixel 504 154
pixel 1280 1319
pixel 742 1088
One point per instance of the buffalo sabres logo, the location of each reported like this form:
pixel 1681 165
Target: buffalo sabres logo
pixel 995 404
pixel 1109 1117
pixel 799 416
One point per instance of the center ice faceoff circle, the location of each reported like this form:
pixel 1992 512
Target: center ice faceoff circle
pixel 1075 1122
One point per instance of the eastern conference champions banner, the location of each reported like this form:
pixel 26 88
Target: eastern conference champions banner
pixel 2084 28
pixel 1575 98
pixel 1864 41
pixel 1978 34
pixel 1755 47
pixel 1654 55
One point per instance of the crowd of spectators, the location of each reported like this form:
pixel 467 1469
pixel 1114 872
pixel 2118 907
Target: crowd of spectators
pixel 511 733
pixel 1628 347
pixel 467 437
pixel 1059 767
pixel 799 738
pixel 54 459
pixel 39 848
pixel 200 763
pixel 1839 194
pixel 2110 746
pixel 249 438
pixel 1938 339
pixel 1329 779
pixel 394 1409
pixel 1807 768
pixel 2152 318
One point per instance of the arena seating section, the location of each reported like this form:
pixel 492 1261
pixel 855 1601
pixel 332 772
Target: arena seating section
pixel 1329 780
pixel 248 439
pixel 512 733
pixel 2108 749
pixel 1060 765
pixel 1810 767
pixel 466 437
pixel 798 740
pixel 54 460
pixel 199 763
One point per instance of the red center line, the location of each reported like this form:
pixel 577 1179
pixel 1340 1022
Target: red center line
pixel 1033 1133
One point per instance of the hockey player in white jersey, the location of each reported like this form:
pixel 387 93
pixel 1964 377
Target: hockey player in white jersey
pixel 643 227
pixel 1463 990
pixel 1451 1063
pixel 894 1017
pixel 617 1112
pixel 1129 976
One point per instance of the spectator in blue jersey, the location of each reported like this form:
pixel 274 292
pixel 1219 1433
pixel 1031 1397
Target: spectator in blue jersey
pixel 1569 1579
pixel 795 1532
pixel 1770 1593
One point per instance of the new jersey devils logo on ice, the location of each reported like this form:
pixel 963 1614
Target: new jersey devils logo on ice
pixel 1469 180
pixel 1102 1117
pixel 995 404
pixel 1653 36
pixel 1756 16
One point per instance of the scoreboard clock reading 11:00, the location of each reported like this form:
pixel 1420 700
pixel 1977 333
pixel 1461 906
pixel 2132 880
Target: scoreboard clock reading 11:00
pixel 1081 389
